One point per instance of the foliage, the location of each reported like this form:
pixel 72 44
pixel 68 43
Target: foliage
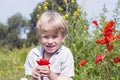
pixel 9 34
pixel 11 63
pixel 81 43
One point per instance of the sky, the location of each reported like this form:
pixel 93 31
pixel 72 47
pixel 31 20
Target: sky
pixel 11 7
pixel 94 7
pixel 25 7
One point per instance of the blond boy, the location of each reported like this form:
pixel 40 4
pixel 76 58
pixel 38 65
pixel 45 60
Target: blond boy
pixel 51 31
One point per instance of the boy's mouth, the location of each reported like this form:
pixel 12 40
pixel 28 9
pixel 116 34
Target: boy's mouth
pixel 50 47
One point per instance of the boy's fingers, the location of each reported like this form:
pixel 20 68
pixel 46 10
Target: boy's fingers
pixel 35 74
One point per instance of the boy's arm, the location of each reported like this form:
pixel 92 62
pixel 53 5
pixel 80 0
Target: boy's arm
pixel 52 76
pixel 32 78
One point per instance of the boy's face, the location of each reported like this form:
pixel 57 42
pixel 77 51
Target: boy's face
pixel 51 42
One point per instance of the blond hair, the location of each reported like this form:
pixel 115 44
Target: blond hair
pixel 51 22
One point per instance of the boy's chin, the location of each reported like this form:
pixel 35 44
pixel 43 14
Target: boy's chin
pixel 51 51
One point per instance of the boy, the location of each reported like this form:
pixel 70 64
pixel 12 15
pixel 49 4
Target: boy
pixel 51 29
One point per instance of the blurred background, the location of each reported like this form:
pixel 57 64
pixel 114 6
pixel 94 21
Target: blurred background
pixel 17 35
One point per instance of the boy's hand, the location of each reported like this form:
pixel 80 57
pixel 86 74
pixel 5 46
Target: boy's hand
pixel 43 70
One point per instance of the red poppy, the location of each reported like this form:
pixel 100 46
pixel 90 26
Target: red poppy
pixel 116 59
pixel 109 24
pixel 95 22
pixel 101 41
pixel 109 38
pixel 107 30
pixel 82 62
pixel 109 47
pixel 117 36
pixel 108 27
pixel 99 58
pixel 43 62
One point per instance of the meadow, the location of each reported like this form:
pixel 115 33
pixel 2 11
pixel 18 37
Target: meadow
pixel 97 56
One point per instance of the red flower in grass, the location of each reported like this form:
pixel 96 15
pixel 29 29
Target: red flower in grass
pixel 43 62
pixel 82 62
pixel 95 22
pixel 99 58
pixel 117 37
pixel 101 41
pixel 109 27
pixel 109 47
pixel 116 59
pixel 110 37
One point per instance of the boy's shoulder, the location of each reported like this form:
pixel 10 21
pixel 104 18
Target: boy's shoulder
pixel 36 50
pixel 64 48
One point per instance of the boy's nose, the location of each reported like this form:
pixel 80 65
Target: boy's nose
pixel 50 40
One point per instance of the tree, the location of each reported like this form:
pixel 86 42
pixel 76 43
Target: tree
pixel 3 32
pixel 9 34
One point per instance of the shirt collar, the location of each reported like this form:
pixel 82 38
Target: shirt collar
pixel 56 52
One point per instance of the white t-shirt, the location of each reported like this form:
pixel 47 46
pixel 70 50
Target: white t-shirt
pixel 61 62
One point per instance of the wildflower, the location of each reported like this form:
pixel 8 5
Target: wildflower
pixel 45 3
pixel 109 47
pixel 66 16
pixel 38 15
pixel 116 59
pixel 101 41
pixel 117 37
pixel 78 8
pixel 109 37
pixel 72 1
pixel 75 13
pixel 108 28
pixel 38 7
pixel 82 62
pixel 99 58
pixel 60 9
pixel 45 8
pixel 95 22
pixel 43 62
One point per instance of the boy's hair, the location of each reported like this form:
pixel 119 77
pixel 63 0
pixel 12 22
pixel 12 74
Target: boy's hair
pixel 51 22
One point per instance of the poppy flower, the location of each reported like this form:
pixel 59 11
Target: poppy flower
pixel 43 62
pixel 110 37
pixel 109 24
pixel 117 36
pixel 109 47
pixel 95 22
pixel 107 30
pixel 116 59
pixel 82 62
pixel 101 41
pixel 99 58
pixel 108 27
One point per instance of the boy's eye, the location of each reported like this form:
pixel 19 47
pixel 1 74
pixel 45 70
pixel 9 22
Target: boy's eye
pixel 49 37
pixel 44 37
pixel 55 36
